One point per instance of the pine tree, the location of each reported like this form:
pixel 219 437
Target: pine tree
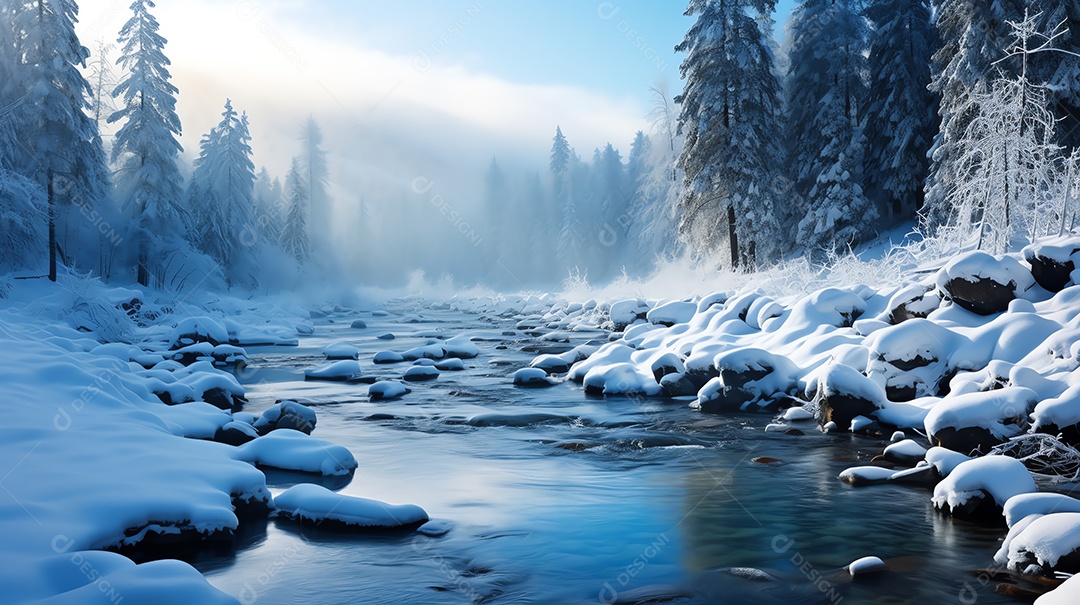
pixel 317 178
pixel 146 149
pixel 825 92
pixel 973 38
pixel 221 196
pixel 729 116
pixel 900 112
pixel 102 81
pixel 294 233
pixel 270 213
pixel 563 171
pixel 65 154
pixel 1060 71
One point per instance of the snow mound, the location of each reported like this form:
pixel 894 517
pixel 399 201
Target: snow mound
pixel 866 565
pixel 420 374
pixel 620 379
pixel 671 313
pixel 286 415
pixel 199 329
pixel 387 389
pixel 344 370
pixel 983 284
pixel 979 420
pixel 295 451
pixel 1044 503
pixel 625 312
pixel 1046 544
pixel 315 504
pixel 387 357
pixel 531 377
pixel 341 350
pixel 461 347
pixel 981 484
pixel 1066 594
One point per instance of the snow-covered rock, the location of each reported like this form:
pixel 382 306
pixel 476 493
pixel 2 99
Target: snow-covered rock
pixel 341 350
pixel 911 358
pixel 387 389
pixel 1045 545
pixel 314 504
pixel 295 451
pixel 531 377
pixel 844 394
pixel 620 379
pixel 1042 503
pixel 982 486
pixel 865 566
pixel 749 379
pixel 343 370
pixel 980 420
pixel 199 329
pixel 906 452
pixel 1066 594
pixel 915 301
pixel 461 347
pixel 420 374
pixel 383 357
pixel 1059 416
pixel 671 313
pixel 286 415
pixel 1053 261
pixel 982 283
pixel 625 312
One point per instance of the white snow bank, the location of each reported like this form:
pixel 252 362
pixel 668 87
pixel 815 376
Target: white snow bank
pixel 1066 594
pixel 1037 547
pixel 625 312
pixel 1060 412
pixel 197 420
pixel 295 451
pixel 315 503
pixel 1000 477
pixel 671 313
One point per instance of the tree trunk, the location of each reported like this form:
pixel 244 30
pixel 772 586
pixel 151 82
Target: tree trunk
pixel 52 226
pixel 143 274
pixel 733 237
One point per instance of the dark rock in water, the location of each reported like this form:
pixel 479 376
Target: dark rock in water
pixel 926 476
pixel 574 446
pixel 983 296
pixel 678 385
pixel 516 420
pixel 287 415
pixel 727 400
pixel 358 324
pixel 766 460
pixel 509 333
pixel 843 408
pixel 979 507
pixel 969 440
pixel 420 374
pixel 387 337
pixel 794 432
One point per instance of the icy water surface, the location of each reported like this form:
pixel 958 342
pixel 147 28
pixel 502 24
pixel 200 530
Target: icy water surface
pixel 547 496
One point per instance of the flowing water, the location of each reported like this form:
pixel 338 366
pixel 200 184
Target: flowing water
pixel 549 496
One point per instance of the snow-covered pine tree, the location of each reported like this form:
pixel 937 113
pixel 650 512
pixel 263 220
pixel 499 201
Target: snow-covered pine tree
pixel 1060 71
pixel 269 210
pixel 64 153
pixel 900 113
pixel 221 196
pixel 973 36
pixel 563 214
pixel 145 151
pixel 610 231
pixel 729 116
pixel 317 178
pixel 294 233
pixel 826 89
pixel 103 82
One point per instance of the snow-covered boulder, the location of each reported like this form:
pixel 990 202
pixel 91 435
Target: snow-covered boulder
pixel 625 312
pixel 906 452
pixel 1053 261
pixel 420 374
pixel 976 422
pixel 610 353
pixel 452 364
pixel 1059 416
pixel 620 379
pixel 461 347
pixel 199 329
pixel 383 357
pixel 235 433
pixel 358 324
pixel 912 302
pixel 671 313
pixel 531 377
pixel 1045 545
pixel 911 358
pixel 866 566
pixel 749 379
pixel 286 415
pixel 341 350
pixel 1040 503
pixel 294 451
pixel 387 389
pixel 341 371
pixel 983 284
pixel 432 350
pixel 944 460
pixel 314 504
pixel 980 487
pixel 844 394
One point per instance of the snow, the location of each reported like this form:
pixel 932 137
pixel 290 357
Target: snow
pixel 865 474
pixel 975 265
pixel 625 312
pixel 199 329
pixel 387 389
pixel 620 379
pixel 797 414
pixel 907 448
pixel 1066 594
pixel 341 350
pixel 315 503
pixel 295 451
pixel 531 377
pixel 945 460
pixel 420 373
pixel 461 347
pixel 1059 412
pixel 387 357
pixel 671 313
pixel 346 369
pixel 1024 505
pixel 995 411
pixel 866 565
pixel 1000 477
pixel 1043 542
pixel 196 420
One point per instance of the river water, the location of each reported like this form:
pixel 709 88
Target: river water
pixel 549 496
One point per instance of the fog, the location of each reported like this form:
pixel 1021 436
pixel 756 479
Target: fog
pixel 411 131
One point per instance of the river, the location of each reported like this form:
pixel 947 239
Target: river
pixel 549 496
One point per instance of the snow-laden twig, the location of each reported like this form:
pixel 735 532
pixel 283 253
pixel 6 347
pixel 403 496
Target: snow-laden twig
pixel 1043 455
